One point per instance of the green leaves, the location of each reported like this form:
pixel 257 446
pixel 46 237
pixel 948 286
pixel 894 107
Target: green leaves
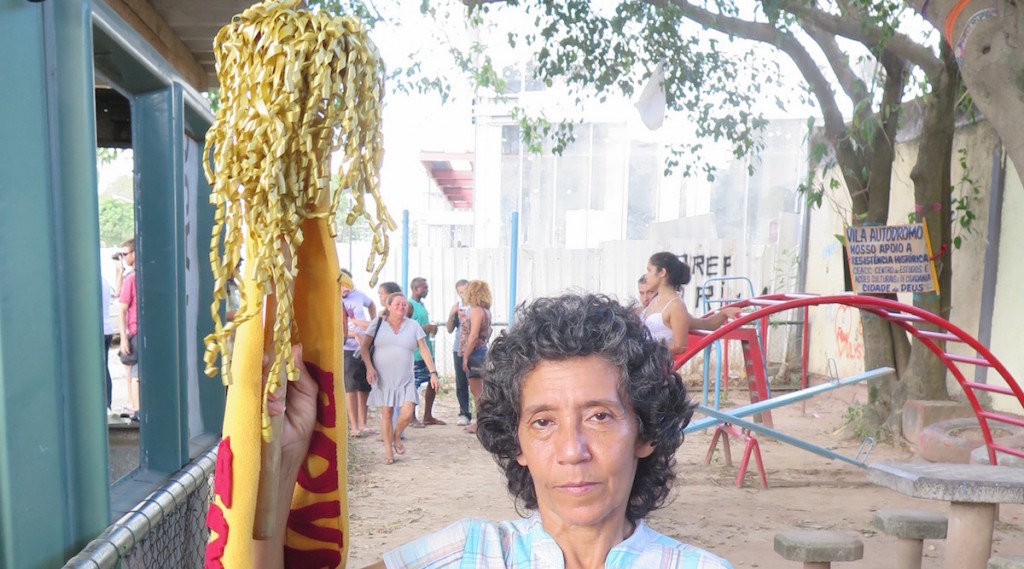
pixel 966 197
pixel 594 55
pixel 813 193
pixel 105 156
pixel 117 221
pixel 772 9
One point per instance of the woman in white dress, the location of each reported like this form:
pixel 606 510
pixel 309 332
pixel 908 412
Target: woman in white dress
pixel 393 338
pixel 666 317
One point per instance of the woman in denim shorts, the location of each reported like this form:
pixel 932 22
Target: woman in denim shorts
pixel 475 331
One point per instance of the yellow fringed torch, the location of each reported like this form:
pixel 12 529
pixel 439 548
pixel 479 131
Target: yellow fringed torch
pixel 296 88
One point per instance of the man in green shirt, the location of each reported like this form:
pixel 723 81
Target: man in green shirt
pixel 418 291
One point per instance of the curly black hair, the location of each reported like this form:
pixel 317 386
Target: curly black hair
pixel 576 326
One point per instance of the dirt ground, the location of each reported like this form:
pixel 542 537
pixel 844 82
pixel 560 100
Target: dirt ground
pixel 446 475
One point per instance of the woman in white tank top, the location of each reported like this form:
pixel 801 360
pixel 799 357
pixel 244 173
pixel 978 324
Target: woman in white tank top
pixel 655 321
pixel 666 317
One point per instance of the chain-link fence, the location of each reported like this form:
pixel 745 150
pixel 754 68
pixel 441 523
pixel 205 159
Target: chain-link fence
pixel 166 530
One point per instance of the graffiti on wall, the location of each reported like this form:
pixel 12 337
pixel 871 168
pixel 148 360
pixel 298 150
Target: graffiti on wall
pixel 704 267
pixel 707 266
pixel 830 250
pixel 847 330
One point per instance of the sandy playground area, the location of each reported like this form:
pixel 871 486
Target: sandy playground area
pixel 446 475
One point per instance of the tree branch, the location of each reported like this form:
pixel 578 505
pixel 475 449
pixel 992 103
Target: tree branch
pixel 784 41
pixel 855 28
pixel 884 143
pixel 848 80
pixel 835 127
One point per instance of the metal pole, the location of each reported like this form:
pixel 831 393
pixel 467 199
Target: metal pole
pixel 513 268
pixel 805 347
pixel 405 250
pixel 989 275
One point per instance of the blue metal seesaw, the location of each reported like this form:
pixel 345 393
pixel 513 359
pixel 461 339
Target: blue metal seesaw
pixel 716 418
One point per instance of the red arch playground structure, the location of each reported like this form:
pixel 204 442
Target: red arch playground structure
pixel 750 327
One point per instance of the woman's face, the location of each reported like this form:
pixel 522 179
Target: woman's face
pixel 399 305
pixel 383 294
pixel 580 442
pixel 654 276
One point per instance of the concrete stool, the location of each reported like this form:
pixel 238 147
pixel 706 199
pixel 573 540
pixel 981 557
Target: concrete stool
pixel 818 549
pixel 1006 562
pixel 911 527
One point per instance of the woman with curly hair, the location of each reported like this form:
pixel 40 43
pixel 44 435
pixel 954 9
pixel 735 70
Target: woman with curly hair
pixel 476 325
pixel 584 417
pixel 582 413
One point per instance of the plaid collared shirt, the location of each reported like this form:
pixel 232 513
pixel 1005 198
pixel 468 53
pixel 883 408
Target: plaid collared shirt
pixel 523 544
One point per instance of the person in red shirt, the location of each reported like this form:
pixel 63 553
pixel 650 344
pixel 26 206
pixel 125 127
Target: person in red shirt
pixel 129 351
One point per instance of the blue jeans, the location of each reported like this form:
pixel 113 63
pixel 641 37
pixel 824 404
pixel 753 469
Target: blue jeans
pixel 461 386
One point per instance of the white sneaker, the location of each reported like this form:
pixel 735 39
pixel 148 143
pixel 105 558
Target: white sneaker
pixel 463 421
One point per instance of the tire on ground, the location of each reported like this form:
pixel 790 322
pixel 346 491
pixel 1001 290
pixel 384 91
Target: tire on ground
pixel 953 440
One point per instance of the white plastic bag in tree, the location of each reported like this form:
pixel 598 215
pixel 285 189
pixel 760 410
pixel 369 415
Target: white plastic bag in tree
pixel 652 101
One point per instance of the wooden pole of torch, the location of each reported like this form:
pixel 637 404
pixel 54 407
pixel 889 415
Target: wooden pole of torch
pixel 265 523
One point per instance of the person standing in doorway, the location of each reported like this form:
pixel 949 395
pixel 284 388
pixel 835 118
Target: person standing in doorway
pixel 419 289
pixel 461 381
pixel 129 350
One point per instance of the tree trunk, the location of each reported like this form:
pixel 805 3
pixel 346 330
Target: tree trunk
pixel 881 340
pixel 991 64
pixel 925 377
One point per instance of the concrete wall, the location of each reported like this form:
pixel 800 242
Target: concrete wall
pixel 836 332
pixel 1009 302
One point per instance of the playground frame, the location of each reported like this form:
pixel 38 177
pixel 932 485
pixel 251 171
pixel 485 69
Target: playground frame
pixel 927 328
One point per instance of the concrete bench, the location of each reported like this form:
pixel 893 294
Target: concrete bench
pixel 911 528
pixel 1006 562
pixel 818 549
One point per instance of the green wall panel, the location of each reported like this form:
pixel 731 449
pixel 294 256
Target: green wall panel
pixel 53 486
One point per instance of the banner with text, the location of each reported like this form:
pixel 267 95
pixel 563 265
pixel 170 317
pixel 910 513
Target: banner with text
pixel 891 259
